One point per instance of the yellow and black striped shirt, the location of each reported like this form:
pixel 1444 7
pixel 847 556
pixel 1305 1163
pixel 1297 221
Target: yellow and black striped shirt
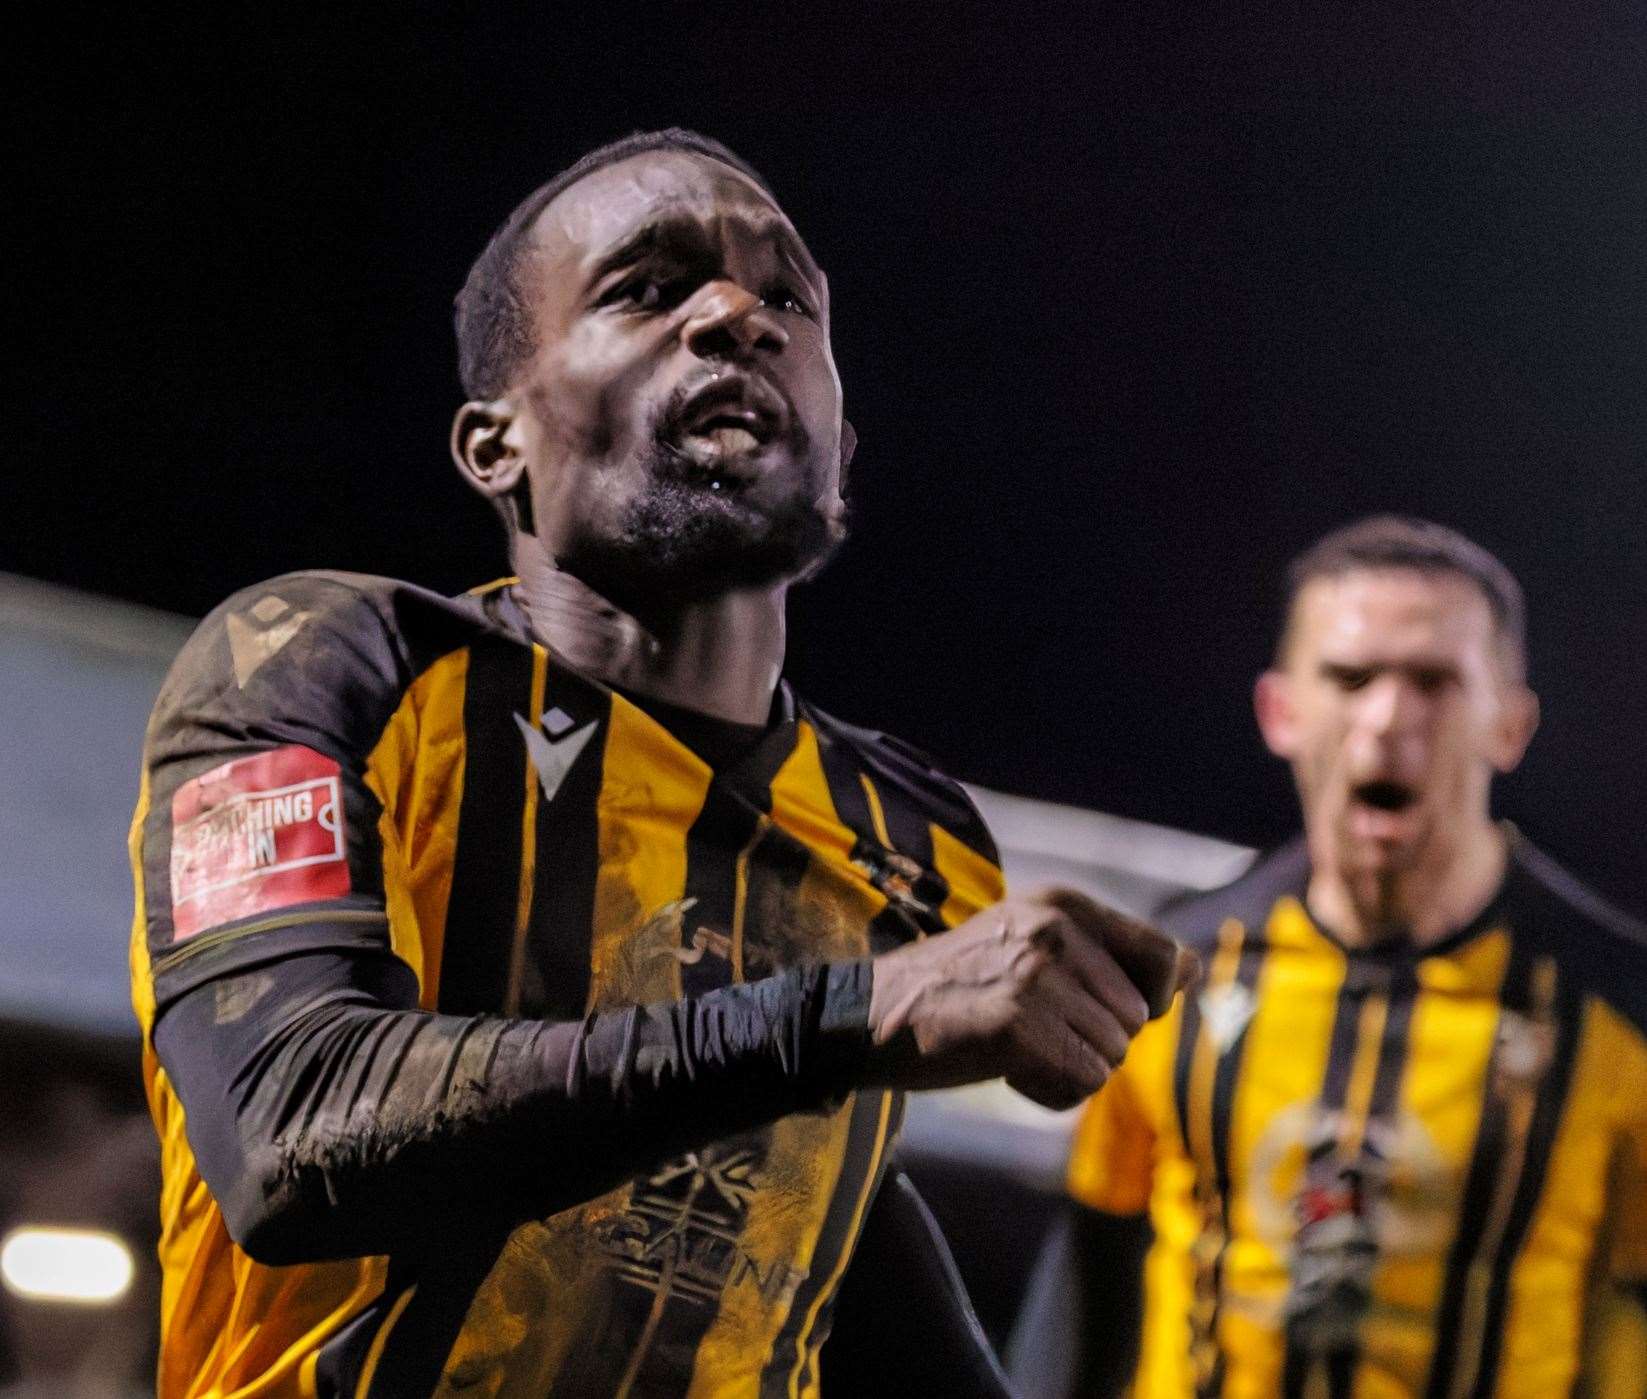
pixel 360 782
pixel 1385 1174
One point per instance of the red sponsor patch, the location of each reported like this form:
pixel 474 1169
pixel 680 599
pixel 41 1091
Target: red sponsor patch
pixel 256 834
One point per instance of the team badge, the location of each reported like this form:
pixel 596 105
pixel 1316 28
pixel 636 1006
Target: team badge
pixel 907 886
pixel 1525 1047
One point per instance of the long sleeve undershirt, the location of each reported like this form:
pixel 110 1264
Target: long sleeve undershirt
pixel 332 1118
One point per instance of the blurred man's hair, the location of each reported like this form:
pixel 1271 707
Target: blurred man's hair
pixel 1396 541
pixel 494 320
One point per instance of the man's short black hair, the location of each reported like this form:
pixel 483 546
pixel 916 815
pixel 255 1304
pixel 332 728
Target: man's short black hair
pixel 494 324
pixel 1396 541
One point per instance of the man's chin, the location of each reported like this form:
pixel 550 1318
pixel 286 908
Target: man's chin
pixel 1381 854
pixel 683 542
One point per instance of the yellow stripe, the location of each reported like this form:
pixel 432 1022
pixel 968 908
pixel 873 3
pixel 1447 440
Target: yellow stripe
pixel 142 987
pixel 417 772
pixel 877 817
pixel 974 883
pixel 379 1341
pixel 1369 1041
pixel 493 586
pixel 652 791
pixel 740 895
pixel 1283 1062
pixel 824 1292
pixel 528 844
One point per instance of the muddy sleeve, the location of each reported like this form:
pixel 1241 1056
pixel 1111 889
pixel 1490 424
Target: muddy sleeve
pixel 331 1118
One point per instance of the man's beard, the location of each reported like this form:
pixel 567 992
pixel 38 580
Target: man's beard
pixel 680 543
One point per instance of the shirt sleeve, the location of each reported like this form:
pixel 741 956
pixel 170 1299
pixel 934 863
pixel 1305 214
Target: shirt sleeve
pixel 258 837
pixel 1112 1155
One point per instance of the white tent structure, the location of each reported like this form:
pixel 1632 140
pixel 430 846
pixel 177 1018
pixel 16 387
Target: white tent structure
pixel 77 677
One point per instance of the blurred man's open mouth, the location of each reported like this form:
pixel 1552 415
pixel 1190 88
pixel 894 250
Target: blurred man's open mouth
pixel 1385 796
pixel 1381 809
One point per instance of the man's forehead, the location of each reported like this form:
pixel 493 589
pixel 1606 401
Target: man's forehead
pixel 1370 607
pixel 610 203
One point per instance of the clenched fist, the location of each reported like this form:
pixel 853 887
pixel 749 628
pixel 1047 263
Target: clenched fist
pixel 1047 990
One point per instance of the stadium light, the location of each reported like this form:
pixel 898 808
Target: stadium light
pixel 86 1266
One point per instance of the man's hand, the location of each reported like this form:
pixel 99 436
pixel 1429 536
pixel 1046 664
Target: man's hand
pixel 1047 990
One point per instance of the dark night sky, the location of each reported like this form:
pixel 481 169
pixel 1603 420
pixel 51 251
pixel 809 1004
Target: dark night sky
pixel 1128 308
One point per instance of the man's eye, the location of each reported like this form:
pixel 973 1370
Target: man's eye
pixel 782 297
pixel 649 293
pixel 1349 677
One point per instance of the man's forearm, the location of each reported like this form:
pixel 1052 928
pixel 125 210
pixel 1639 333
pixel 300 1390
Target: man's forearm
pixel 331 1118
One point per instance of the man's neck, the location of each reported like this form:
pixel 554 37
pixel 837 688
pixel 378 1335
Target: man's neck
pixel 1421 905
pixel 721 657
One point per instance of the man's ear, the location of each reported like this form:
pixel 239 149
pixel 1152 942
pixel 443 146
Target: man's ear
pixel 1517 723
pixel 849 449
pixel 486 445
pixel 1272 703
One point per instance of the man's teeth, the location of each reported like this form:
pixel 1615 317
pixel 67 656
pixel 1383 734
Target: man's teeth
pixel 727 439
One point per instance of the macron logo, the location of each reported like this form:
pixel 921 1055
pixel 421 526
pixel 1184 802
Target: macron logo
pixel 553 753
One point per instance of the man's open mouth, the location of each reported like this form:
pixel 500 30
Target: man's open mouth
pixel 730 416
pixel 1384 796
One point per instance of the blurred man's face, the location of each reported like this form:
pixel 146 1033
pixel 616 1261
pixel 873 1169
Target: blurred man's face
pixel 682 412
pixel 1395 704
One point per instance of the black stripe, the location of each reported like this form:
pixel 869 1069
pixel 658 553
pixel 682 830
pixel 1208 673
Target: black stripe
pixel 1189 1031
pixel 725 826
pixel 845 790
pixel 897 923
pixel 560 929
pixel 774 921
pixel 1480 1186
pixel 909 829
pixel 447 1276
pixel 1392 1054
pixel 732 810
pixel 1228 1073
pixel 1341 1372
pixel 343 1355
pixel 1226 1076
pixel 1541 1137
pixel 1382 1107
pixel 1363 974
pixel 1295 1372
pixel 1302 1364
pixel 480 918
pixel 908 825
pixel 1360 978
pixel 856 1161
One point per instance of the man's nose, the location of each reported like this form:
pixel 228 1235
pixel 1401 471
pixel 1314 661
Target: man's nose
pixel 1389 705
pixel 729 322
